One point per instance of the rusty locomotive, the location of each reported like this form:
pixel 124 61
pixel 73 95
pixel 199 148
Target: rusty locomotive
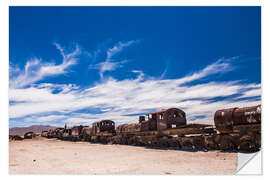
pixel 29 135
pixel 235 129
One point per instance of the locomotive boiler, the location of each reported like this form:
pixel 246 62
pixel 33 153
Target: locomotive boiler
pixel 239 128
pixel 234 129
pixel 227 119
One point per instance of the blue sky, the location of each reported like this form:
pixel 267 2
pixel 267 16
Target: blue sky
pixel 76 65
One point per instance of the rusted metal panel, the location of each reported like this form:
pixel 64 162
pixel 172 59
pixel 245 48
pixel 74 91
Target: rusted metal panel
pixel 15 137
pixel 54 133
pixel 159 112
pixel 129 128
pixel 86 132
pixel 102 126
pixel 75 131
pixel 247 115
pixel 226 119
pixel 209 142
pixel 148 125
pixel 50 133
pixel 159 120
pixel 29 135
pixel 44 133
pixel 58 132
pixel 120 128
pixel 66 133
pixel 168 128
pixel 170 118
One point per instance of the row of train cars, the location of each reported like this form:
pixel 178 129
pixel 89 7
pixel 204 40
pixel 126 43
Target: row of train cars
pixel 235 129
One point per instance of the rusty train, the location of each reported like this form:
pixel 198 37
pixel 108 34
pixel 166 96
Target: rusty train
pixel 234 129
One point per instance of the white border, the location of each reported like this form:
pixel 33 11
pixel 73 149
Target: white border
pixel 4 68
pixel 4 87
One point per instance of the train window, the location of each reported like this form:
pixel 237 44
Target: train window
pixel 161 116
pixel 181 115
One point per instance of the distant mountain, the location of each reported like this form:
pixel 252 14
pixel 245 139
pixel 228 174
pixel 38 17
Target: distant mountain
pixel 34 128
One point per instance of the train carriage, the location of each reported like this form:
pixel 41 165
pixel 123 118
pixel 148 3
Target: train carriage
pixel 235 129
pixel 76 132
pixel 102 131
pixel 86 133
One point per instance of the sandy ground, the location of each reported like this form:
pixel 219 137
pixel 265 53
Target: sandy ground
pixel 51 156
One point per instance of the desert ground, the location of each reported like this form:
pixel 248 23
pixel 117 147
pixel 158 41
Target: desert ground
pixel 51 156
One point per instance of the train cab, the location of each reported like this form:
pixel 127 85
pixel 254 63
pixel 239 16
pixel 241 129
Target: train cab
pixel 103 126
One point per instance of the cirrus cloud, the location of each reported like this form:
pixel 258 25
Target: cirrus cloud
pixel 119 99
pixel 35 70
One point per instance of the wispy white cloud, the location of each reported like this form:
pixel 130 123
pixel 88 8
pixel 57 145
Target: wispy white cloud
pixel 47 118
pixel 110 64
pixel 252 93
pixel 118 98
pixel 220 66
pixel 35 70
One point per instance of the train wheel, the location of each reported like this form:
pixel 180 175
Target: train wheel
pixel 173 143
pixel 209 143
pixel 122 140
pixel 154 143
pixel 187 143
pixel 198 142
pixel 164 142
pixel 130 141
pixel 226 143
pixel 247 144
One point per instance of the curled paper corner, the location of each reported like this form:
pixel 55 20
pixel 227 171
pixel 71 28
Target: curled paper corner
pixel 249 164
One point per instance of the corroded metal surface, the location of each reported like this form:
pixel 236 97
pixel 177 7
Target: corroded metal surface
pixel 29 135
pixel 86 133
pixel 226 119
pixel 15 138
pixel 66 134
pixel 236 129
pixel 103 126
pixel 44 133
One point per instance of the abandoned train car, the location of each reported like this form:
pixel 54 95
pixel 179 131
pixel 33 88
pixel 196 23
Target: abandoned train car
pixel 156 121
pixel 235 129
pixel 29 135
pixel 226 119
pixel 76 132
